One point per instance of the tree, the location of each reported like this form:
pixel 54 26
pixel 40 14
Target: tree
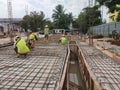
pixel 37 20
pixel 57 16
pixel 61 19
pixel 111 4
pixel 118 17
pixel 82 21
pixel 33 21
pixel 25 22
pixel 90 16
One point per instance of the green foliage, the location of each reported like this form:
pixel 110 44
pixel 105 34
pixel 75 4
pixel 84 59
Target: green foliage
pixel 89 32
pixel 115 35
pixel 89 17
pixel 114 32
pixel 61 19
pixel 111 4
pixel 33 21
pixel 25 22
pixel 118 18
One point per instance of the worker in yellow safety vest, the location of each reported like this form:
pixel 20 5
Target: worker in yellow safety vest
pixel 20 46
pixel 46 33
pixel 31 40
pixel 63 40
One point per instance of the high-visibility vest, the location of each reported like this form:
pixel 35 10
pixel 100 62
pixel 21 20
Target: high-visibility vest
pixel 63 40
pixel 46 31
pixel 31 37
pixel 21 46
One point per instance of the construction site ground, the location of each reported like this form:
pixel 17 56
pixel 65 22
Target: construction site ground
pixel 44 65
pixel 40 70
pixel 105 70
pixel 106 47
pixel 109 49
pixel 102 67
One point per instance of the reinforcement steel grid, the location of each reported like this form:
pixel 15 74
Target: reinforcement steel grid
pixel 41 69
pixel 107 71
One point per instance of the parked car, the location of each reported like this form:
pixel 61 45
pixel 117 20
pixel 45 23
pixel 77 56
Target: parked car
pixel 41 32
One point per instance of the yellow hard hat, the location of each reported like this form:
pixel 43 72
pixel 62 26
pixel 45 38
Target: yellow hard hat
pixel 46 25
pixel 33 33
pixel 63 35
pixel 17 37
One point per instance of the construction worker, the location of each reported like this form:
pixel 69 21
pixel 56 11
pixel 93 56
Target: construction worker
pixel 31 40
pixel 63 40
pixel 20 46
pixel 46 33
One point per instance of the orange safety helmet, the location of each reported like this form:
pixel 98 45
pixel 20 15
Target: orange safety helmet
pixel 46 26
pixel 33 33
pixel 17 37
pixel 63 35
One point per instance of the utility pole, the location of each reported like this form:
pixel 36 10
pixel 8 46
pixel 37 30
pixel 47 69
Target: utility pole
pixel 91 22
pixel 26 9
pixel 10 17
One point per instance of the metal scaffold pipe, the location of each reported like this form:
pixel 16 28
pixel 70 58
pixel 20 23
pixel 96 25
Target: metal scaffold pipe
pixel 91 22
pixel 10 17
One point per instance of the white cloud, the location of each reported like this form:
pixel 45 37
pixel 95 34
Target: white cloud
pixel 3 8
pixel 47 6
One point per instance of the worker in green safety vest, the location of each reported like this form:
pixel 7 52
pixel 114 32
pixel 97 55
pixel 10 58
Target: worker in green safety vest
pixel 46 33
pixel 31 40
pixel 20 46
pixel 62 40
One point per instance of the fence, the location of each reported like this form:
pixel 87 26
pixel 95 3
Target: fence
pixel 106 29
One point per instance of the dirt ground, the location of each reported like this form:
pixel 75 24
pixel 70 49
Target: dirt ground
pixel 114 42
pixel 109 44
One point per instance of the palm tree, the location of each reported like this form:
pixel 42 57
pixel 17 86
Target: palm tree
pixel 59 10
pixel 57 15
pixel 34 21
pixel 37 20
pixel 70 16
pixel 61 20
pixel 25 23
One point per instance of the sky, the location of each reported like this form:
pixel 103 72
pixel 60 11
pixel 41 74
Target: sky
pixel 47 6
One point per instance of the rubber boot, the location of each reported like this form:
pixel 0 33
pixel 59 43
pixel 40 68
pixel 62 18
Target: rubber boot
pixel 46 41
pixel 32 45
pixel 18 55
pixel 25 54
